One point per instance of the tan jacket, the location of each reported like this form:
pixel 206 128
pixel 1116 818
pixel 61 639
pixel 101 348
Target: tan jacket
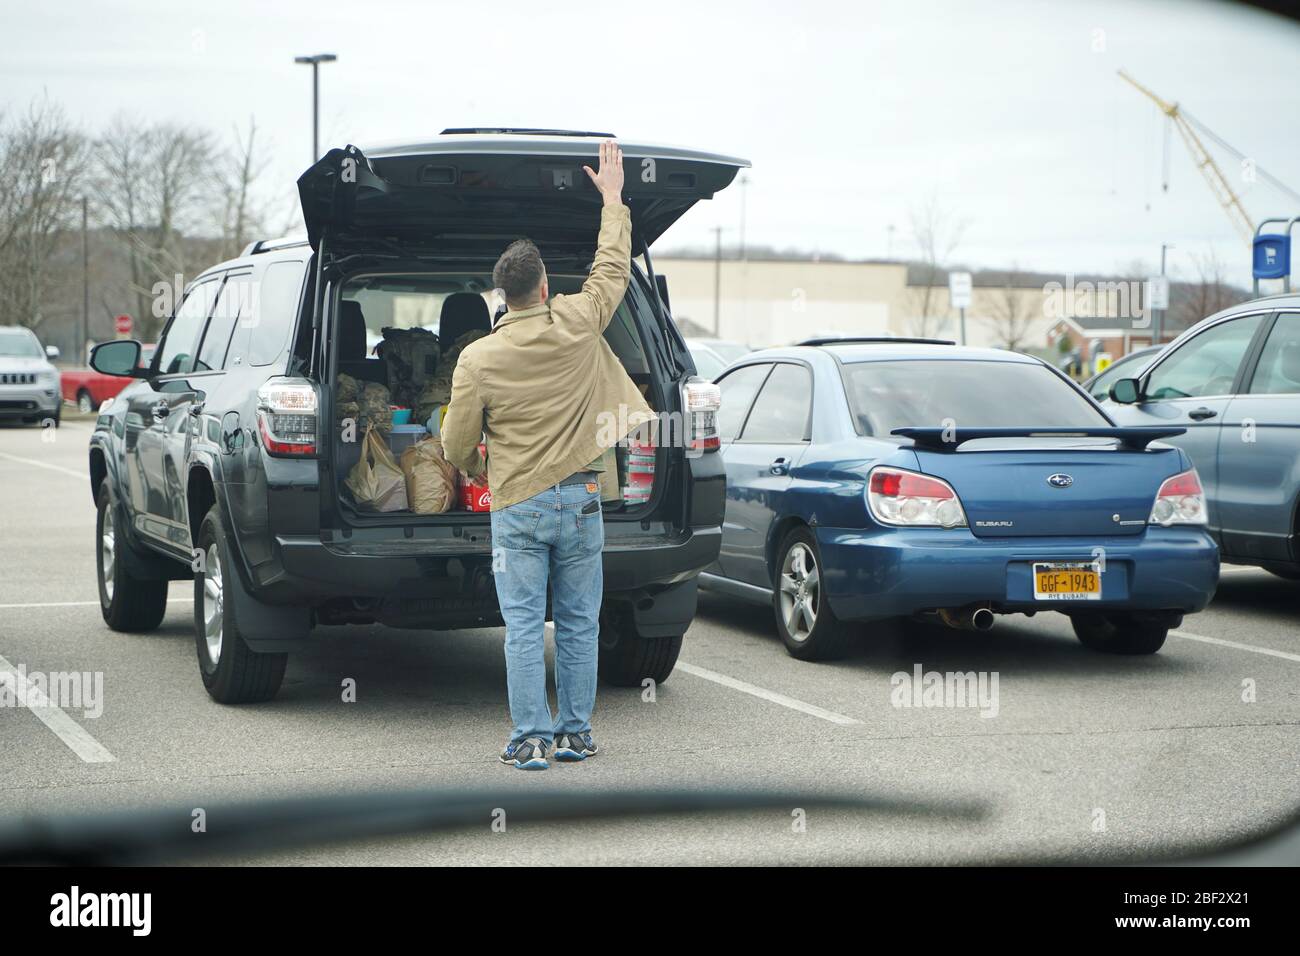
pixel 545 387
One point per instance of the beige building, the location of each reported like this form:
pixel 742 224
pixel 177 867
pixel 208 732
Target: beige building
pixel 766 302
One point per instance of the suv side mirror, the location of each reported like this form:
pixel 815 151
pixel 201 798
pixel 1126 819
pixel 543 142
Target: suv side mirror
pixel 118 358
pixel 52 352
pixel 1126 391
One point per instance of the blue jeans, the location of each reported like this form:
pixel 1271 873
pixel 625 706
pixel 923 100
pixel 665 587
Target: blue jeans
pixel 548 537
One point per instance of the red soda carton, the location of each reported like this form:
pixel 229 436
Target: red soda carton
pixel 475 494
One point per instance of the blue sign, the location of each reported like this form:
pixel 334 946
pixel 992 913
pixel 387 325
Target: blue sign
pixel 1272 257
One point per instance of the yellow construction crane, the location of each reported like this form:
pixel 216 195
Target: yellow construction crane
pixel 1187 127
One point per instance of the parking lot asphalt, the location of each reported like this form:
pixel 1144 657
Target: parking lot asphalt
pixel 1078 756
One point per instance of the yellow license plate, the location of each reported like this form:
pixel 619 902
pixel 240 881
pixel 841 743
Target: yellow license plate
pixel 1067 581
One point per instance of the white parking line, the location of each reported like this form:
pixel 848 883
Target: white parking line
pixel 7 607
pixel 45 464
pixel 765 694
pixel 1285 655
pixel 65 728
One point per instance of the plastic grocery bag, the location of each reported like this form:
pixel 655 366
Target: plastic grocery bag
pixel 376 481
pixel 430 478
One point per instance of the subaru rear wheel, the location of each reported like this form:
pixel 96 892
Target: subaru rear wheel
pixel 804 618
pixel 1132 633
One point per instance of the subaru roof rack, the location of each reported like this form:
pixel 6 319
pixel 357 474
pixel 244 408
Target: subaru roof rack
pixel 521 130
pixel 872 340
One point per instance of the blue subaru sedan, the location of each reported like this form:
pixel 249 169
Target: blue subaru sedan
pixel 875 479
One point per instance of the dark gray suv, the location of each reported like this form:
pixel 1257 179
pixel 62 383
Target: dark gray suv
pixel 223 463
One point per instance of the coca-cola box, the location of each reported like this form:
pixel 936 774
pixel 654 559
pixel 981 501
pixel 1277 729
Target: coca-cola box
pixel 475 495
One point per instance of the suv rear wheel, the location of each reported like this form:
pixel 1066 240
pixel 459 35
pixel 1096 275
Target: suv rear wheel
pixel 808 627
pixel 626 658
pixel 232 673
pixel 128 603
pixel 1121 633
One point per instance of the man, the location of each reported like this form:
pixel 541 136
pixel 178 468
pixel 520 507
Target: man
pixel 540 387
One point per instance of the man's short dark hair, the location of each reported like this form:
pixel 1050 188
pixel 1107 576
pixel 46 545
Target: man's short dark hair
pixel 519 272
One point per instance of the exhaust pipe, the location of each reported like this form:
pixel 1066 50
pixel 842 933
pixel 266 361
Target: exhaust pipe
pixel 970 618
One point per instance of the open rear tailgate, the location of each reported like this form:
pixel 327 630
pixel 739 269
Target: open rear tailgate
pixel 486 185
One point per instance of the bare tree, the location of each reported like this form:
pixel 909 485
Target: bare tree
pixel 41 157
pixel 153 185
pixel 937 237
pixel 1206 293
pixel 240 217
pixel 1010 314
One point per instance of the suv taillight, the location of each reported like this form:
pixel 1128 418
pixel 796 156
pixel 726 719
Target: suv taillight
pixel 900 497
pixel 700 403
pixel 286 416
pixel 1180 500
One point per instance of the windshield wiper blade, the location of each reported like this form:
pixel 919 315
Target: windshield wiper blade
pixel 164 835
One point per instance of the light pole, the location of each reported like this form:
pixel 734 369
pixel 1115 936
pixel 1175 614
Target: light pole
pixel 1160 313
pixel 717 282
pixel 316 59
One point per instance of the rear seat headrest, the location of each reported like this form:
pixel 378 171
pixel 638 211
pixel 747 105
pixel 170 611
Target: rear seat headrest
pixel 352 331
pixel 462 312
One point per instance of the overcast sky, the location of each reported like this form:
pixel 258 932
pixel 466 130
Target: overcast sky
pixel 1008 115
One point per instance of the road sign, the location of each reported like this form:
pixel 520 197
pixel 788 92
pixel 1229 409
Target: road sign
pixel 123 324
pixel 1158 292
pixel 959 289
pixel 1271 257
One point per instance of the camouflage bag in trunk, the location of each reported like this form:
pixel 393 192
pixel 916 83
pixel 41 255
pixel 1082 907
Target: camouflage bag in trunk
pixel 411 359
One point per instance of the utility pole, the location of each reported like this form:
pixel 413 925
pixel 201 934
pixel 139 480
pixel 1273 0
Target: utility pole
pixel 744 195
pixel 1160 313
pixel 315 60
pixel 85 280
pixel 717 282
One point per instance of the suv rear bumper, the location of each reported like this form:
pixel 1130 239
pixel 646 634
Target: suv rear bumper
pixel 456 589
pixel 312 570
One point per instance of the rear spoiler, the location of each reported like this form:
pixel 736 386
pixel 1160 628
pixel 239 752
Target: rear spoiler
pixel 1133 438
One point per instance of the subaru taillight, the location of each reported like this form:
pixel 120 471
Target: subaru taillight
pixel 700 403
pixel 900 497
pixel 286 416
pixel 1180 500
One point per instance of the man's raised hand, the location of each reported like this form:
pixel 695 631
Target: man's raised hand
pixel 609 178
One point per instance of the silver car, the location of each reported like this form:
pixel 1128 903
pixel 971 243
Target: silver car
pixel 29 384
pixel 1233 381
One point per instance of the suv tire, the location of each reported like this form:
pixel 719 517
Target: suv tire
pixel 128 603
pixel 232 673
pixel 1120 633
pixel 626 658
pixel 797 593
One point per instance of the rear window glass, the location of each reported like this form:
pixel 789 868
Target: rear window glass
pixel 422 300
pixel 274 311
pixel 897 394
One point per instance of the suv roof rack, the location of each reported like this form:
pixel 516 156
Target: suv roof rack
pixel 269 245
pixel 522 131
pixel 873 340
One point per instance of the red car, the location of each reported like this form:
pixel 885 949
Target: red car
pixel 87 389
